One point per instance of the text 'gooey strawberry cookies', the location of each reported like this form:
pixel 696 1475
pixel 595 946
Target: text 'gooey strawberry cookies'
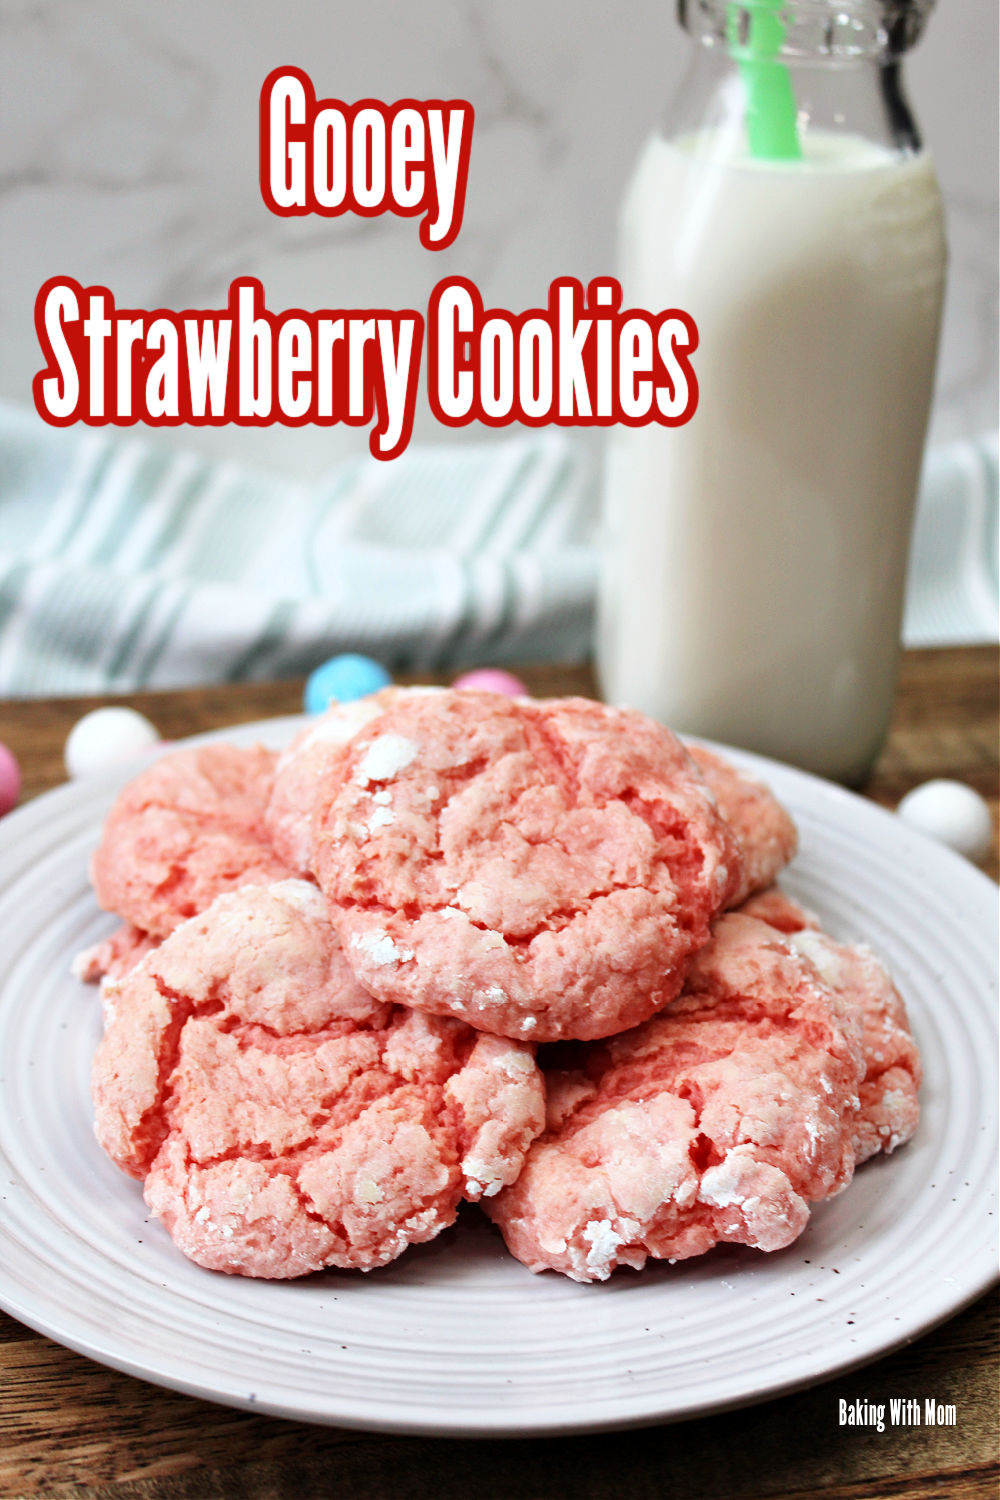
pixel 542 869
pixel 281 1118
pixel 720 1120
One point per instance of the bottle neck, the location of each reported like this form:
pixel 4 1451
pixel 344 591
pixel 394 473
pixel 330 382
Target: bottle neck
pixel 771 79
pixel 834 30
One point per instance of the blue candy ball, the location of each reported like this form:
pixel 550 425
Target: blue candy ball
pixel 342 679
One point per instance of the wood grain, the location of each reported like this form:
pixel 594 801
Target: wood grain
pixel 945 720
pixel 69 1427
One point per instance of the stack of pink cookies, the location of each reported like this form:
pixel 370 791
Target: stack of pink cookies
pixel 456 946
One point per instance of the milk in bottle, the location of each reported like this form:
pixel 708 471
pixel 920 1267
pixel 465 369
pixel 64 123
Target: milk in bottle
pixel 755 557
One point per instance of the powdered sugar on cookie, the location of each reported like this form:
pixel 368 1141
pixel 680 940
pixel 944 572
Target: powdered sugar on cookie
pixel 721 1120
pixel 319 1014
pixel 283 1119
pixel 307 760
pixel 570 862
pixel 766 833
pixel 188 828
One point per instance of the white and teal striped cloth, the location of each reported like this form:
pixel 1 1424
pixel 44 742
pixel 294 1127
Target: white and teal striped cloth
pixel 126 564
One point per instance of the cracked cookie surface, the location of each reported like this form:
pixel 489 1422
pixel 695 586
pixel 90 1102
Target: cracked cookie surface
pixel 189 827
pixel 766 833
pixel 889 1092
pixel 303 765
pixel 281 1118
pixel 542 869
pixel 721 1120
pixel 113 956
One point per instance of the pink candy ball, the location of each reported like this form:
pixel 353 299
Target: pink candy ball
pixel 10 780
pixel 492 680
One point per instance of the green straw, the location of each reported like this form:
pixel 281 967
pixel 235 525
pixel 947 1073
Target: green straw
pixel 771 113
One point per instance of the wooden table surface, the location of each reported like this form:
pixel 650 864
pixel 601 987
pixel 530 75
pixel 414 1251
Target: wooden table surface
pixel 69 1427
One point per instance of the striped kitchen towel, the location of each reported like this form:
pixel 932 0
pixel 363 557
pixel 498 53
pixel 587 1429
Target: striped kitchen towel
pixel 953 596
pixel 127 564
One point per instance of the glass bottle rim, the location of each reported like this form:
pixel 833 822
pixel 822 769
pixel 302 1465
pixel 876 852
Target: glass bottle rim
pixel 815 30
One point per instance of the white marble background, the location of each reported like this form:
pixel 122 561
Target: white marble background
pixel 128 156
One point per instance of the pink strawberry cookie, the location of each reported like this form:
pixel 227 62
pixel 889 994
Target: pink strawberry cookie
pixel 765 831
pixel 720 1120
pixel 540 869
pixel 115 955
pixel 778 910
pixel 303 766
pixel 281 1118
pixel 189 827
pixel 890 1108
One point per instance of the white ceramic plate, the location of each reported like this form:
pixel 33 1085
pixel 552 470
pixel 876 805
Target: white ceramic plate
pixel 456 1337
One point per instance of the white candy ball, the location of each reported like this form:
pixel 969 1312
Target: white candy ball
pixel 954 814
pixel 107 737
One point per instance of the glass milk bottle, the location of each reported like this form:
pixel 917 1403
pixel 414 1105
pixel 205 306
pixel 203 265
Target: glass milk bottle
pixel 755 558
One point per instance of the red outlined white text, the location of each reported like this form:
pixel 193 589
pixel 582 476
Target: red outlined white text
pixel 580 361
pixel 327 157
pixel 246 365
